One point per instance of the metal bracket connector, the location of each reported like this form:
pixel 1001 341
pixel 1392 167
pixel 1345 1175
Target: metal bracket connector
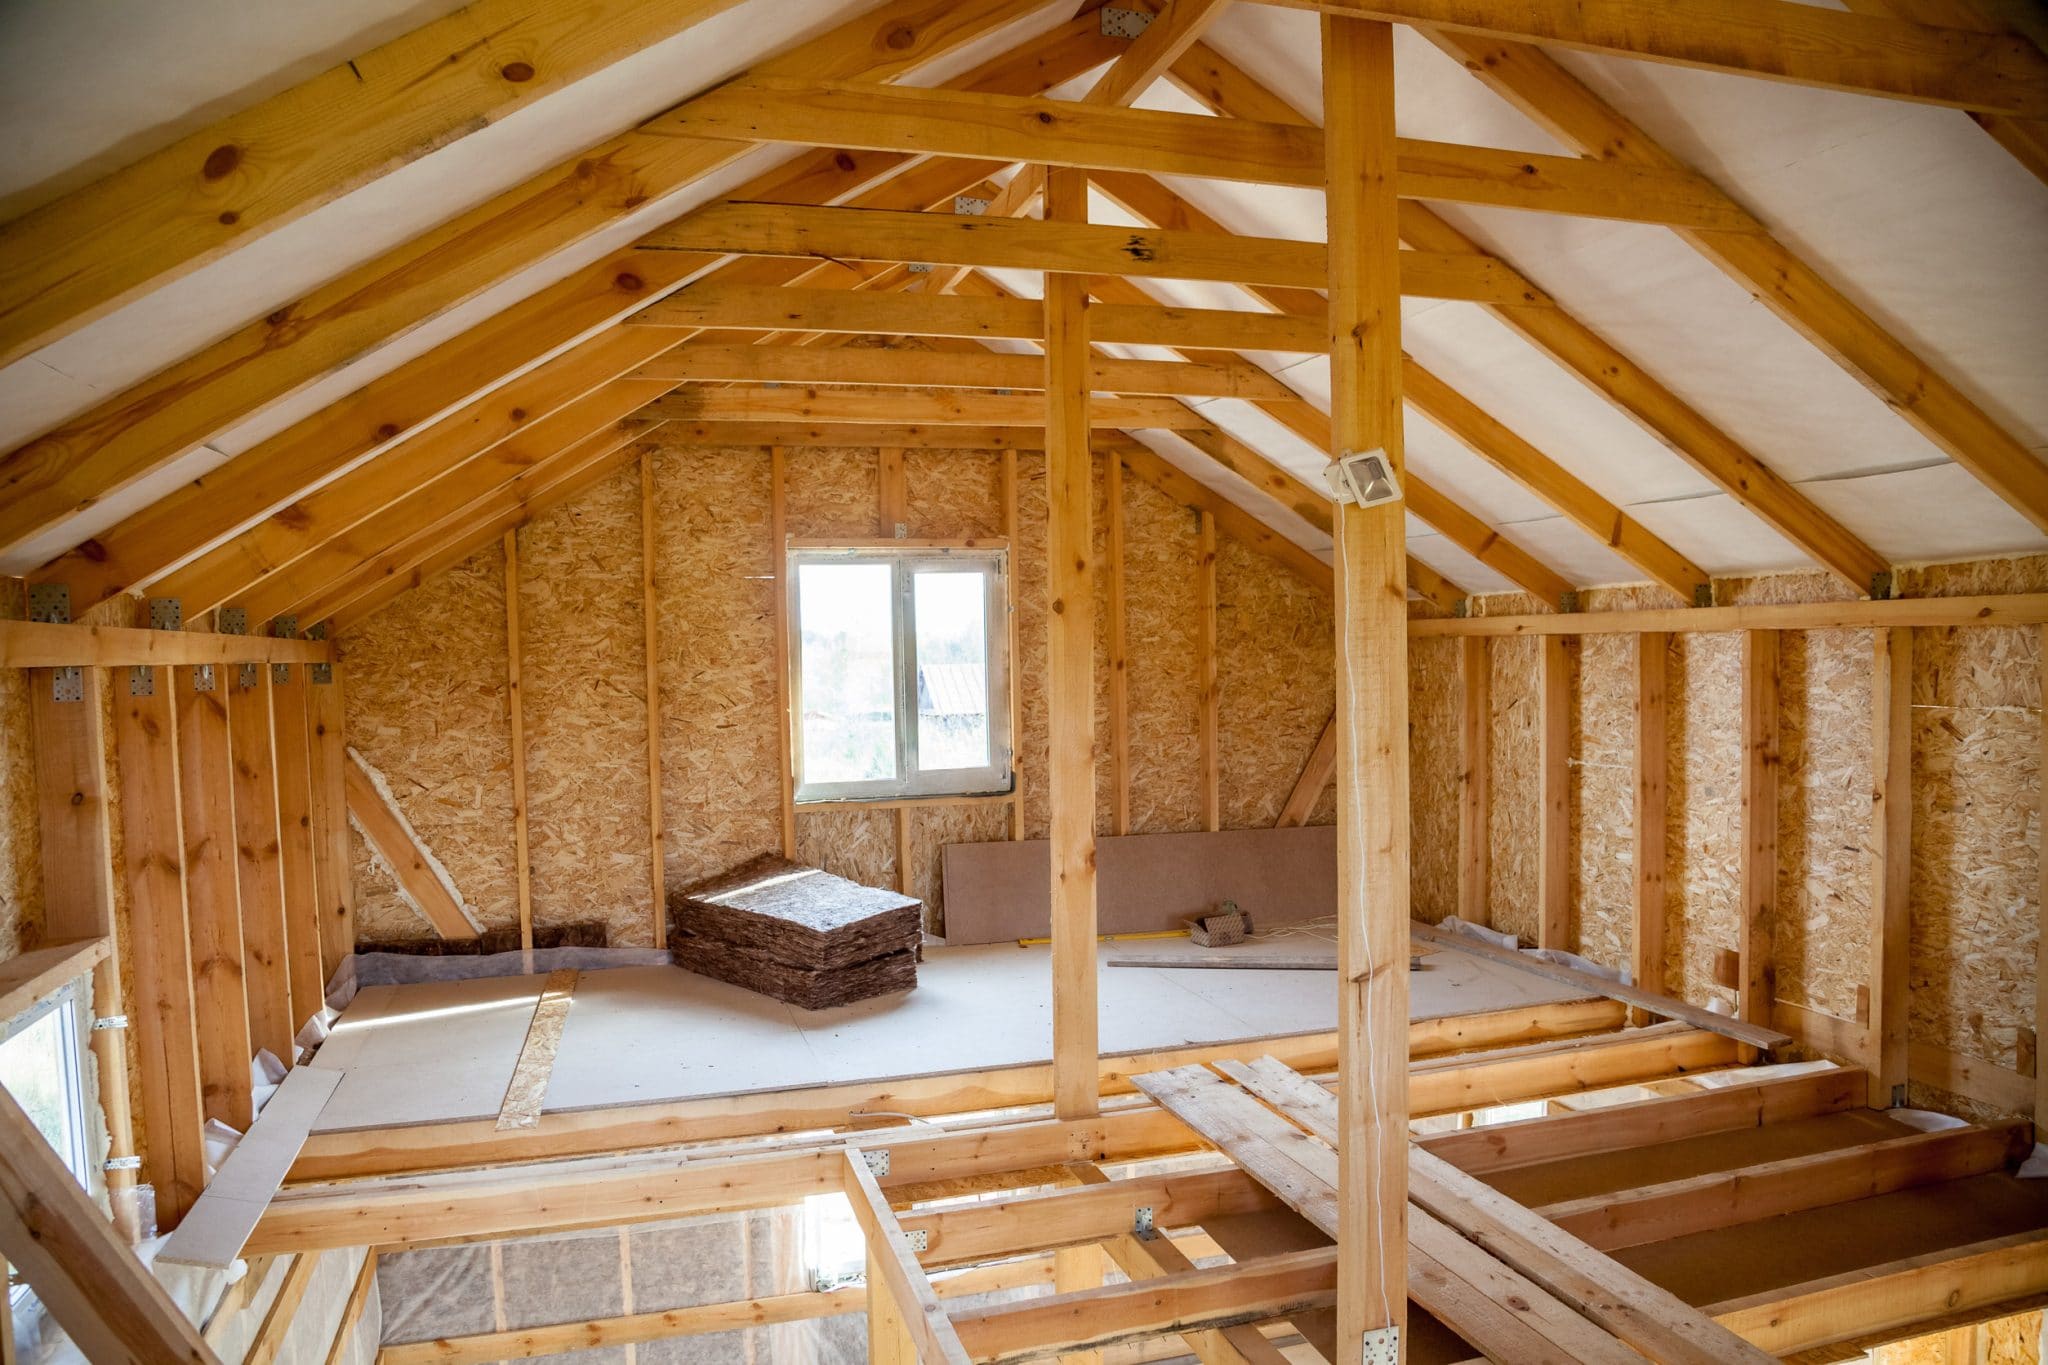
pixel 918 267
pixel 67 684
pixel 202 677
pixel 1141 1222
pixel 1123 23
pixel 49 603
pixel 233 621
pixel 920 1239
pixel 970 205
pixel 246 676
pixel 141 681
pixel 110 1021
pixel 122 1163
pixel 877 1159
pixel 1381 1346
pixel 166 613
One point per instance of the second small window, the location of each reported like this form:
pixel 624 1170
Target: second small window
pixel 899 677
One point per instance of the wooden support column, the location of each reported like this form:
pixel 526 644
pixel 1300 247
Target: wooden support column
pixel 1553 814
pixel 1211 696
pixel 1372 691
pixel 259 868
pixel 212 891
pixel 650 618
pixel 1070 667
pixel 331 851
pixel 1891 865
pixel 291 747
pixel 1119 657
pixel 778 551
pixel 515 706
pixel 895 494
pixel 1759 869
pixel 1653 649
pixel 1011 531
pixel 1475 803
pixel 153 861
pixel 78 890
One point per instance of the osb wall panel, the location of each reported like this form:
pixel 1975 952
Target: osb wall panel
pixel 855 842
pixel 1436 704
pixel 21 876
pixel 1602 799
pixel 1702 868
pixel 1277 680
pixel 931 828
pixel 832 492
pixel 1515 789
pixel 721 765
pixel 585 705
pixel 426 705
pixel 953 494
pixel 1162 615
pixel 1027 562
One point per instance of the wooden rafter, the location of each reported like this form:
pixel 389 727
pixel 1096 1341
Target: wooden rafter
pixel 1226 88
pixel 890 406
pixel 230 182
pixel 1775 274
pixel 150 423
pixel 924 369
pixel 1778 39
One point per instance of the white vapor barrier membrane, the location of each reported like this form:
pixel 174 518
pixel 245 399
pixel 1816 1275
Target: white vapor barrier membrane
pixel 406 969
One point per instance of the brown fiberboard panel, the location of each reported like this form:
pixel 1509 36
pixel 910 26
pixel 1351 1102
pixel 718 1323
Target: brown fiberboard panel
pixel 1145 882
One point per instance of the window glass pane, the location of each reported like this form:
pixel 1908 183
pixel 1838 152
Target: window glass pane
pixel 952 670
pixel 37 1073
pixel 849 672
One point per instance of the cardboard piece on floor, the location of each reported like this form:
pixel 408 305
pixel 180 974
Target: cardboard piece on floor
pixel 216 1229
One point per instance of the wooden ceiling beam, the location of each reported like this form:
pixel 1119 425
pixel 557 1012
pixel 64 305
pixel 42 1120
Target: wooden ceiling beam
pixel 892 368
pixel 1011 128
pixel 1774 39
pixel 1228 89
pixel 78 257
pixel 892 407
pixel 841 234
pixel 140 429
pixel 395 405
pixel 933 437
pixel 1772 272
pixel 710 305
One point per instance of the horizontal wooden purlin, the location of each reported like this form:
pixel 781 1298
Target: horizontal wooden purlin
pixel 902 118
pixel 1716 1199
pixel 889 368
pixel 916 437
pixel 27 979
pixel 1775 39
pixel 1221 1296
pixel 839 234
pixel 860 312
pixel 2017 609
pixel 1561 1137
pixel 427 1147
pixel 701 403
pixel 42 644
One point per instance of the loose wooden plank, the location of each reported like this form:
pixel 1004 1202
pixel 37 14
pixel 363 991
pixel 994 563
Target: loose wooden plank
pixel 1660 1005
pixel 218 1226
pixel 53 1233
pixel 528 1089
pixel 387 831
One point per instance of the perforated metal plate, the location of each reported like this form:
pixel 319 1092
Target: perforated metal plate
pixel 1123 23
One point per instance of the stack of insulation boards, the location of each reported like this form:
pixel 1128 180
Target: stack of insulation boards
pixel 796 933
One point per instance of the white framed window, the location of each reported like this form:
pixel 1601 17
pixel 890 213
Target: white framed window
pixel 42 1067
pixel 899 675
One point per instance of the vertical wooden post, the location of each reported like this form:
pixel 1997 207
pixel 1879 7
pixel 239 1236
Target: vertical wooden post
pixel 1553 815
pixel 258 861
pixel 1211 693
pixel 651 620
pixel 888 1338
pixel 1070 667
pixel 1891 863
pixel 778 549
pixel 291 744
pixel 213 894
pixel 78 888
pixel 1475 804
pixel 153 861
pixel 515 706
pixel 325 717
pixel 1011 530
pixel 894 515
pixel 1652 669
pixel 1759 869
pixel 1119 656
pixel 1372 691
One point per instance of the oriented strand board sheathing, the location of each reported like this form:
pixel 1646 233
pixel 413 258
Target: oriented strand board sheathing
pixel 931 829
pixel 586 712
pixel 1276 672
pixel 426 706
pixel 833 492
pixel 1703 713
pixel 954 494
pixel 854 842
pixel 721 733
pixel 1435 702
pixel 1602 786
pixel 1162 611
pixel 1515 788
pixel 1029 556
pixel 21 876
